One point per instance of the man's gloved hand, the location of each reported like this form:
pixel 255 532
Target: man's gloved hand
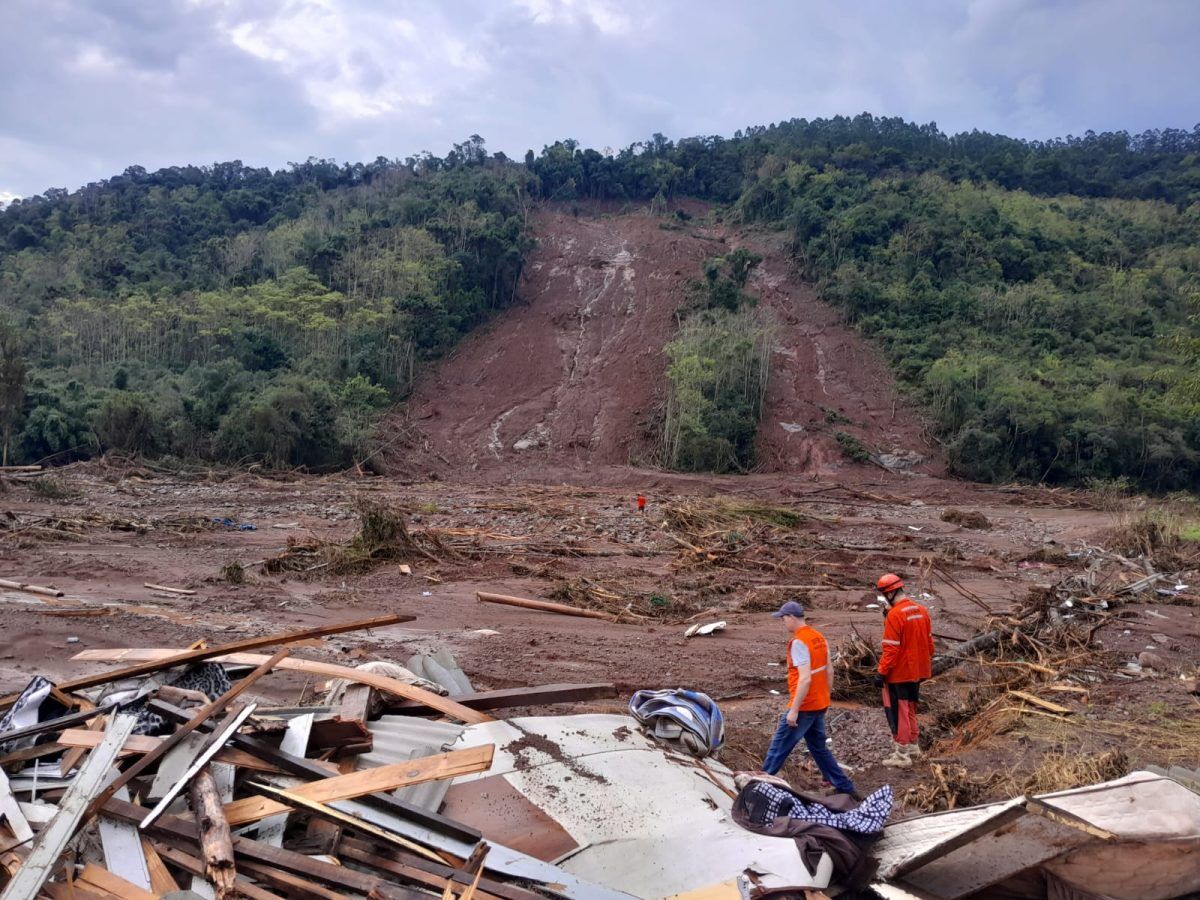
pixel 878 680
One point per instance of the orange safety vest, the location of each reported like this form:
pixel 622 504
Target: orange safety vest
pixel 907 643
pixel 817 697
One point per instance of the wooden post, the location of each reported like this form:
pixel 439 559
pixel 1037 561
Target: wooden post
pixel 216 841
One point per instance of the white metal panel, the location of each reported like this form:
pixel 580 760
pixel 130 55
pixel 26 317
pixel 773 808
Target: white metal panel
pixel 649 823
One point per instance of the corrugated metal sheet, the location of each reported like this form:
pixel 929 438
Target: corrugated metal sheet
pixel 441 668
pixel 398 739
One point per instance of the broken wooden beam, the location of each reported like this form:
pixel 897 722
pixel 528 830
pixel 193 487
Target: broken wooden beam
pixel 213 744
pixel 309 770
pixel 382 683
pixel 179 831
pixel 345 820
pixel 543 606
pixel 1038 701
pixel 539 695
pixel 423 871
pixel 72 809
pixel 61 723
pixel 175 658
pixel 169 590
pixel 370 781
pixel 143 743
pixel 202 715
pixel 216 841
pixel 30 589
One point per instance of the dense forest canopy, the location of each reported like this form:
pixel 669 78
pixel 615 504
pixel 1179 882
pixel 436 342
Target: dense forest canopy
pixel 1035 295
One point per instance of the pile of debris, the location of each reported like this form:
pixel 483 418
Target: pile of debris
pixel 169 774
pixel 110 787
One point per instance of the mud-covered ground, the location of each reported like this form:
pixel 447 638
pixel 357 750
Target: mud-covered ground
pixel 564 540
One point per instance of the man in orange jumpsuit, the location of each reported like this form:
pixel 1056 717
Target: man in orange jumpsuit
pixel 809 683
pixel 905 662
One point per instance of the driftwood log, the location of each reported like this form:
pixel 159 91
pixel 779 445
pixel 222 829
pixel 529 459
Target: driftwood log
pixel 216 841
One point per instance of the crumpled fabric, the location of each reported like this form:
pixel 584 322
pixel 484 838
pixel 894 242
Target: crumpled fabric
pixel 28 710
pixel 848 850
pixel 337 687
pixel 687 719
pixel 765 802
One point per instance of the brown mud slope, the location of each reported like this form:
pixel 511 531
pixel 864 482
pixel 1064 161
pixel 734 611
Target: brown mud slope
pixel 574 374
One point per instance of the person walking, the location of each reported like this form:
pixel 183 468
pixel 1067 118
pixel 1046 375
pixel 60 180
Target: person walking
pixel 906 661
pixel 809 683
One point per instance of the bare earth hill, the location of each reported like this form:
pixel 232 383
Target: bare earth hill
pixel 575 373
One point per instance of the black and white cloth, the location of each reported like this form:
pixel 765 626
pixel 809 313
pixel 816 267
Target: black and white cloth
pixel 765 802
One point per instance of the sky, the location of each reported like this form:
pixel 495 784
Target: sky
pixel 90 87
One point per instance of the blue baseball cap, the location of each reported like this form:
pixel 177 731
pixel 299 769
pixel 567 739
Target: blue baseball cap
pixel 791 608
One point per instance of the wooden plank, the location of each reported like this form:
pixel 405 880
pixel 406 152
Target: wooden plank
pixel 309 769
pixel 62 722
pixel 52 840
pixel 430 874
pixel 540 695
pixel 382 683
pixel 169 590
pixel 297 888
pixel 172 658
pixel 144 743
pixel 195 868
pixel 295 741
pixel 202 715
pixel 215 740
pixel 71 758
pixel 10 812
pixel 50 748
pixel 1044 704
pixel 345 820
pixel 543 606
pixel 161 880
pixel 370 781
pixel 99 877
pixel 180 831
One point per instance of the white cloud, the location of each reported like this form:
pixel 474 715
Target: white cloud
pixel 357 62
pixel 606 17
pixel 89 87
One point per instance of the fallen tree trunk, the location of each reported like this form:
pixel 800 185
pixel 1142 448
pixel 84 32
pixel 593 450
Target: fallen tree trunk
pixel 543 606
pixel 961 652
pixel 216 841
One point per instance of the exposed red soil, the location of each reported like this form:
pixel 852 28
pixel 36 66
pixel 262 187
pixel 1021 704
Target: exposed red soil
pixel 573 376
pixel 547 536
pixel 577 371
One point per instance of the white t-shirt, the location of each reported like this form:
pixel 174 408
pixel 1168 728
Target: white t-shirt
pixel 800 654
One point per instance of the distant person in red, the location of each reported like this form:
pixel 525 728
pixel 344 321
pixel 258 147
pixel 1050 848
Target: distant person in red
pixel 906 661
pixel 641 504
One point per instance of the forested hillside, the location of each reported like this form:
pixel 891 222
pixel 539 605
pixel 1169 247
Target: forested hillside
pixel 1034 295
pixel 238 314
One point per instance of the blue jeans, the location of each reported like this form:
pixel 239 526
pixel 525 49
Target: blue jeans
pixel 811 727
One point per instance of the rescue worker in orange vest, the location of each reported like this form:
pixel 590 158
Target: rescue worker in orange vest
pixel 810 679
pixel 905 662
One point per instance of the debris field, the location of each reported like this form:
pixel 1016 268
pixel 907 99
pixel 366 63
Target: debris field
pixel 202 652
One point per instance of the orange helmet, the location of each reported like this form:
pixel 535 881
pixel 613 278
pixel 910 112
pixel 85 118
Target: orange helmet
pixel 888 583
